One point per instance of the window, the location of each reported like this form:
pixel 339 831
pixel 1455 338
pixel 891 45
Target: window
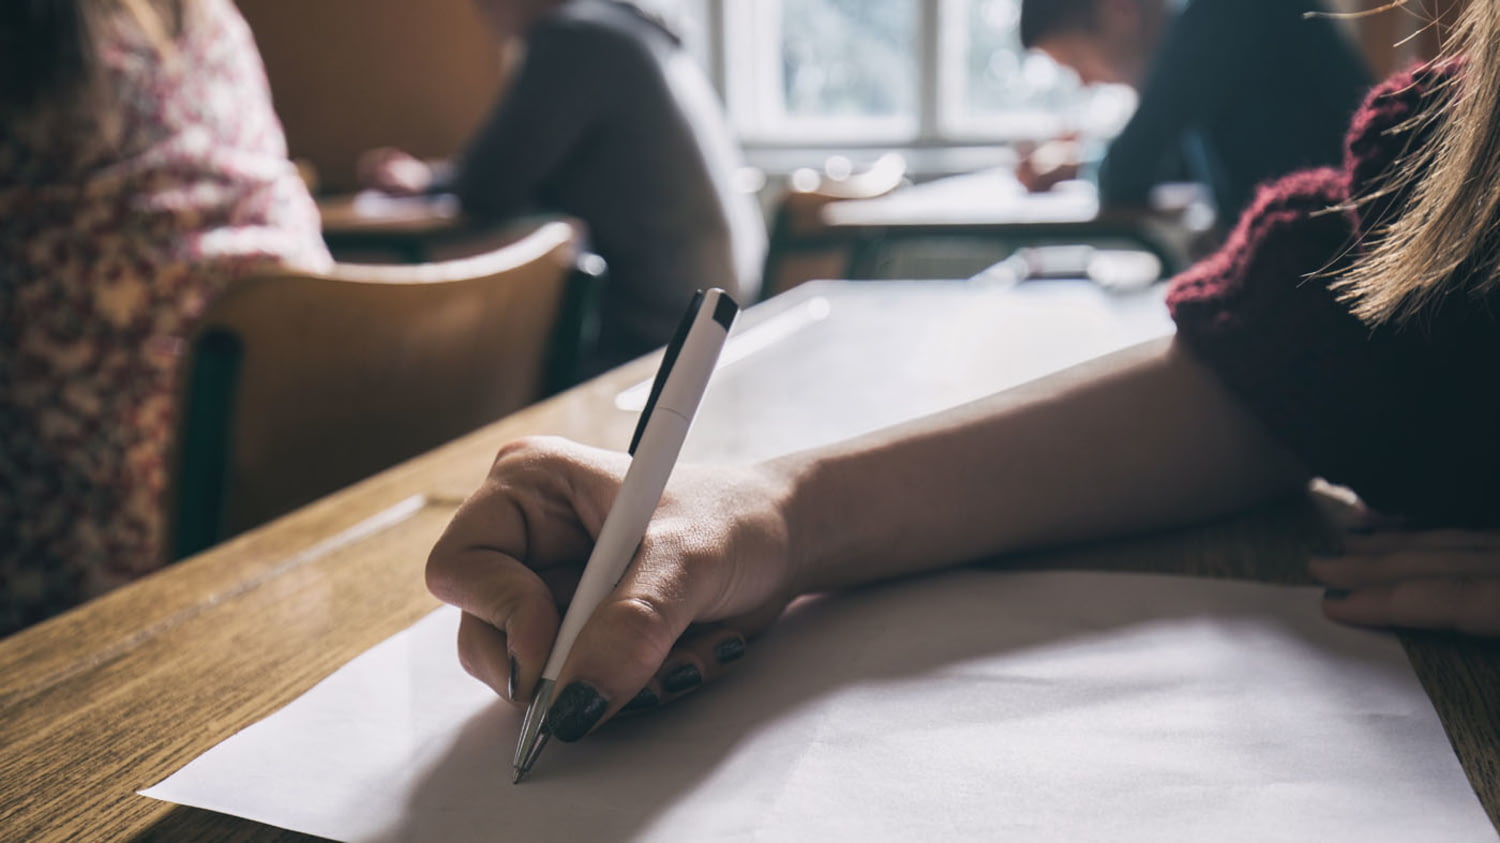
pixel 823 69
pixel 882 72
pixel 991 87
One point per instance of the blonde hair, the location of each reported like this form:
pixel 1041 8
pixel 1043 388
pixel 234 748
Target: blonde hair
pixel 1446 240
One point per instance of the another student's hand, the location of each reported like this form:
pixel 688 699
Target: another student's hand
pixel 712 572
pixel 1436 579
pixel 1042 168
pixel 394 171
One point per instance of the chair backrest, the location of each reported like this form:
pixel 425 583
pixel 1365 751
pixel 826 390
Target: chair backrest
pixel 800 248
pixel 299 384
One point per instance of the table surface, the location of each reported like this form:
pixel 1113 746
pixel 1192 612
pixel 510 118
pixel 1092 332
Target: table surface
pixel 371 212
pixel 118 694
pixel 992 205
pixel 983 197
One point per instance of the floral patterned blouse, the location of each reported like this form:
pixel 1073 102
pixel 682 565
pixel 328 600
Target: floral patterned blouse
pixel 109 250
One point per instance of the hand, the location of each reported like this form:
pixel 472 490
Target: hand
pixel 1044 167
pixel 1436 579
pixel 711 573
pixel 395 172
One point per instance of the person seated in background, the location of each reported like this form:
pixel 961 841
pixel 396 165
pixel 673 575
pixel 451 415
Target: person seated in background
pixel 1237 92
pixel 1356 344
pixel 142 170
pixel 607 118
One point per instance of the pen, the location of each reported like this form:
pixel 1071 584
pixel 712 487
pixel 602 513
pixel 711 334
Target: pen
pixel 679 386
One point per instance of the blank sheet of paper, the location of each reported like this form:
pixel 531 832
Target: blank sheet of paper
pixel 973 705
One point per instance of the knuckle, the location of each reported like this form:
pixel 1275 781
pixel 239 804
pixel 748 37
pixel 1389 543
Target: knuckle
pixel 644 620
pixel 499 607
pixel 526 450
pixel 640 614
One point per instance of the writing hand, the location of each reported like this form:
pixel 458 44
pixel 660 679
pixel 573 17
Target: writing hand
pixel 711 573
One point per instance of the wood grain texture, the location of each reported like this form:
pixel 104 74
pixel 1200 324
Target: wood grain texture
pixel 115 696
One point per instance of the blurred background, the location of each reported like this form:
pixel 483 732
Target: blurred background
pixel 943 81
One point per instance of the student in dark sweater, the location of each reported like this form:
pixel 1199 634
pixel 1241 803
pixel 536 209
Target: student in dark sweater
pixel 1240 91
pixel 608 119
pixel 1349 330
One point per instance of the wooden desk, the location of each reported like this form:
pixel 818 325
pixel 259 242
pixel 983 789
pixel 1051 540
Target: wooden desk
pixel 115 696
pixel 407 227
pixel 992 205
pixel 371 227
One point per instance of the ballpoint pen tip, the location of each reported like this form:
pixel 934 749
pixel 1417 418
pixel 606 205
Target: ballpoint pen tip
pixel 520 774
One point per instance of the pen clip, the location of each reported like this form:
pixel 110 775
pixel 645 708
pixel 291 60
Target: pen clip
pixel 667 362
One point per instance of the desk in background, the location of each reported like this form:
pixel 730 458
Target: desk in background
pixel 371 227
pixel 113 697
pixel 992 206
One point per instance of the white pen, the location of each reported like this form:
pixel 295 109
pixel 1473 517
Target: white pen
pixel 679 385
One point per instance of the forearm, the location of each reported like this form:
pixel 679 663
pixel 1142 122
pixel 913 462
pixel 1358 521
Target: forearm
pixel 1139 440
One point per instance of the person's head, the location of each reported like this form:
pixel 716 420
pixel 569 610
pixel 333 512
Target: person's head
pixel 1103 41
pixel 49 50
pixel 1446 242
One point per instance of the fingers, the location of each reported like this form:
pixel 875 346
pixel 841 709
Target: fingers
pixel 513 553
pixel 1390 557
pixel 519 611
pixel 1361 570
pixel 616 654
pixel 1431 579
pixel 704 653
pixel 485 655
pixel 1394 540
pixel 1461 604
pixel 635 640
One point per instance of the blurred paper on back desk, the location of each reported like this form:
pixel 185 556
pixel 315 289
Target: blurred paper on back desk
pixel 969 705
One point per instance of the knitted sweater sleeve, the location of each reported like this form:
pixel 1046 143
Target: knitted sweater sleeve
pixel 1382 410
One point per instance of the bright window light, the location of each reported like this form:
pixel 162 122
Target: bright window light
pixel 885 72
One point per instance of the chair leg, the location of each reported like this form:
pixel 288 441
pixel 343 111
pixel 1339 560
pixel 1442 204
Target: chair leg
pixel 199 504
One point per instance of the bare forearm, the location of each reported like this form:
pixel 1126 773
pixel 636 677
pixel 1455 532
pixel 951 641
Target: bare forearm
pixel 1139 440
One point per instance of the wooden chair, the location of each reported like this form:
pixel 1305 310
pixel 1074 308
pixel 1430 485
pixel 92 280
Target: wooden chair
pixel 801 249
pixel 298 384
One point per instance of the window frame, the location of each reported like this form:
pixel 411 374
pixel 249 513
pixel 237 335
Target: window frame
pixel 940 119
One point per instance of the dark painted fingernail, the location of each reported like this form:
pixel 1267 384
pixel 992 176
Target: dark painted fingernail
pixel 1336 593
pixel 510 684
pixel 730 650
pixel 642 701
pixel 575 712
pixel 682 679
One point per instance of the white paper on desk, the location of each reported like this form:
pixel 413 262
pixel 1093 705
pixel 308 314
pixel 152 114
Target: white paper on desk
pixel 974 705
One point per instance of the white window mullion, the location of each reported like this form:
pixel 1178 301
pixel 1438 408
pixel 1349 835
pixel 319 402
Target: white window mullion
pixel 718 61
pixel 951 66
pixel 931 16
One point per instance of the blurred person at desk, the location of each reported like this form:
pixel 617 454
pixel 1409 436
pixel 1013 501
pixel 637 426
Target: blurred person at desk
pixel 1232 92
pixel 142 170
pixel 1355 344
pixel 607 118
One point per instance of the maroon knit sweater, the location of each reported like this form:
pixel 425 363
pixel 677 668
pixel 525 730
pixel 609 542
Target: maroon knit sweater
pixel 1407 417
